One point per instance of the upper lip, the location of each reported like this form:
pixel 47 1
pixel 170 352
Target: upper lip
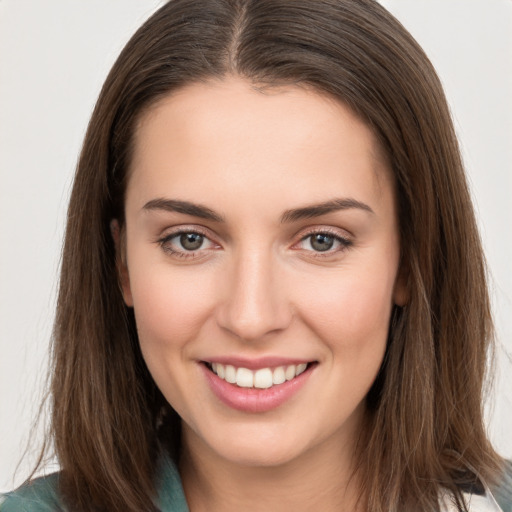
pixel 257 363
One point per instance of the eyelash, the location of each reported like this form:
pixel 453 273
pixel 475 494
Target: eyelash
pixel 166 247
pixel 344 243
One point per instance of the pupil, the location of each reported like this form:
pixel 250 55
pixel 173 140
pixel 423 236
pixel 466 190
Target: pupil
pixel 191 241
pixel 322 242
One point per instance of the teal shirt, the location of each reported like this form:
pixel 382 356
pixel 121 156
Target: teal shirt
pixel 42 494
pixel 503 493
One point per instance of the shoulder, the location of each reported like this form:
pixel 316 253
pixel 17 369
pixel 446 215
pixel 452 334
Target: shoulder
pixel 503 491
pixel 497 498
pixel 40 495
pixel 171 497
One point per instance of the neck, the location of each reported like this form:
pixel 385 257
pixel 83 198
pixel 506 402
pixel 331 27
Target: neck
pixel 320 479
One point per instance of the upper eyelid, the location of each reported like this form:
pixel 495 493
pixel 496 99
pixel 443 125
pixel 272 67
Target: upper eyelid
pixel 178 230
pixel 336 232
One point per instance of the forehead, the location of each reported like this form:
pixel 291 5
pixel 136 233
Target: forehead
pixel 230 135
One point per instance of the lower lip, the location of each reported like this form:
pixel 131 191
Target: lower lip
pixel 255 400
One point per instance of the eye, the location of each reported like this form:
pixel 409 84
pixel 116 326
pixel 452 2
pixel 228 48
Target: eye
pixel 324 242
pixel 186 244
pixel 191 241
pixel 321 242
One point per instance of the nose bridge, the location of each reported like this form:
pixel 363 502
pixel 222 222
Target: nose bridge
pixel 256 303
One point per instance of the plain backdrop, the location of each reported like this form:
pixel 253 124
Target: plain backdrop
pixel 54 56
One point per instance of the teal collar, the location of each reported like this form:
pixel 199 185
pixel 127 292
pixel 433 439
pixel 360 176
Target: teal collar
pixel 171 497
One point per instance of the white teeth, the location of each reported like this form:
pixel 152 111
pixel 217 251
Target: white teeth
pixel 289 373
pixel 278 377
pixel 262 379
pixel 230 374
pixel 300 368
pixel 244 378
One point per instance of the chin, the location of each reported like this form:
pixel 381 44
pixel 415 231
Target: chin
pixel 252 455
pixel 258 445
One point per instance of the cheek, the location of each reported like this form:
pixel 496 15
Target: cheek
pixel 351 307
pixel 170 307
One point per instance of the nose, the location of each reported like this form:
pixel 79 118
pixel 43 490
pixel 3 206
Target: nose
pixel 256 302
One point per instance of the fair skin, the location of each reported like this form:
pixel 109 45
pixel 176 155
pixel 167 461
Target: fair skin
pixel 224 263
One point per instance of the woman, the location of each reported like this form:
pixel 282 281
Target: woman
pixel 272 292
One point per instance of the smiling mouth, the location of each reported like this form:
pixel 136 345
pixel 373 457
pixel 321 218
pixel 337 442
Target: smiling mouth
pixel 263 378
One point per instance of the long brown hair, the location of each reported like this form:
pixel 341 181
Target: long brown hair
pixel 425 427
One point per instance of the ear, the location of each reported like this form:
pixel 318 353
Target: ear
pixel 401 289
pixel 119 237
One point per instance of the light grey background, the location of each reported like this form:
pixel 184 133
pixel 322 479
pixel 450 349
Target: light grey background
pixel 54 56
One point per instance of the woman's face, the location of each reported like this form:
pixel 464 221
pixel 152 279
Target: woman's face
pixel 262 255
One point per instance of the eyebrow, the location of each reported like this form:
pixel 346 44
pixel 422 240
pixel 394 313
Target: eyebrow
pixel 293 215
pixel 185 207
pixel 316 210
